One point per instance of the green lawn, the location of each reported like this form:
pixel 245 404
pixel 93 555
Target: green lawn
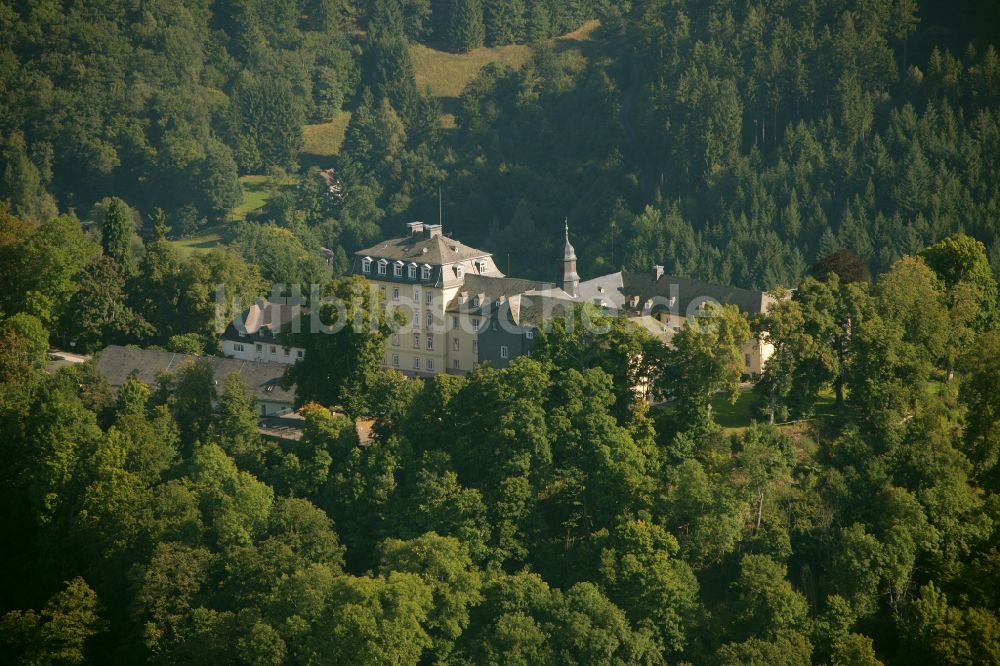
pixel 733 418
pixel 255 190
pixel 205 240
pixel 736 418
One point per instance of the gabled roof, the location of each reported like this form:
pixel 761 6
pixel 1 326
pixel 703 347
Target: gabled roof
pixel 260 320
pixel 118 363
pixel 436 251
pixel 654 327
pixel 687 290
pixel 490 288
pixel 608 289
pixel 534 309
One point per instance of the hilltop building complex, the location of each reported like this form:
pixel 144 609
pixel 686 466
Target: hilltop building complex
pixel 461 310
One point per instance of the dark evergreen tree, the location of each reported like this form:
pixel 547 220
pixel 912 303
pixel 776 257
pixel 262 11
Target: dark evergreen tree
pixel 466 30
pixel 267 123
pixel 116 236
pixel 504 22
pixel 539 26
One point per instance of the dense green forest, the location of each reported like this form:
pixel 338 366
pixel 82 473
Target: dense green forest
pixel 539 514
pixel 737 142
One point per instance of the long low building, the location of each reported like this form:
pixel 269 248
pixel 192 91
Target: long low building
pixel 118 364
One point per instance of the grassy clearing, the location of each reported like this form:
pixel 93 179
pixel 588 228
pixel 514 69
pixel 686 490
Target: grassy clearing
pixel 208 238
pixel 446 74
pixel 581 34
pixel 255 191
pixel 734 418
pixel 325 139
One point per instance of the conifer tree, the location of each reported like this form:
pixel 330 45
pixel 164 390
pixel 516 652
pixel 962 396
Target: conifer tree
pixel 116 237
pixel 504 22
pixel 467 31
pixel 539 25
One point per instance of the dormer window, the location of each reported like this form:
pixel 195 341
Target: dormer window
pixel 458 272
pixel 482 266
pixel 475 301
pixel 382 264
pixel 397 269
pixel 425 272
pixel 366 265
pixel 412 273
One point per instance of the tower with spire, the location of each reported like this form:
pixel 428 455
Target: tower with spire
pixel 568 277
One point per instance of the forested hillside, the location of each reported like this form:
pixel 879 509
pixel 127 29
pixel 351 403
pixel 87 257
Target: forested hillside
pixel 539 514
pixel 738 142
pixel 543 513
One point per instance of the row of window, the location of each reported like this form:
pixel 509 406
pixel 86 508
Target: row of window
pixel 428 363
pixel 428 295
pixel 456 343
pixel 481 266
pixel 238 346
pixel 382 267
pixel 262 332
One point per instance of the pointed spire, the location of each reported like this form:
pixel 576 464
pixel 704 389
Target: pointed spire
pixel 568 251
pixel 568 277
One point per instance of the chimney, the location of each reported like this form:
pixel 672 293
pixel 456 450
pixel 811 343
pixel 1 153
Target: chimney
pixel 432 230
pixel 416 228
pixel 657 273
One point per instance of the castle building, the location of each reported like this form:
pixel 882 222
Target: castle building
pixel 461 310
pixel 437 283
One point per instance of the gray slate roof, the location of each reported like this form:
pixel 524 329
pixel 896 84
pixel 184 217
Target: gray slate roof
pixel 435 251
pixel 489 289
pixel 261 321
pixel 616 292
pixel 118 363
pixel 646 286
pixel 605 291
pixel 654 327
pixel 534 309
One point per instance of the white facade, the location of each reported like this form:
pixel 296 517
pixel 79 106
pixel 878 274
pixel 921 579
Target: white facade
pixel 272 351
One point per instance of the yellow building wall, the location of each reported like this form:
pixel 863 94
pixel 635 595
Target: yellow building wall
pixel 462 341
pixel 754 352
pixel 412 300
